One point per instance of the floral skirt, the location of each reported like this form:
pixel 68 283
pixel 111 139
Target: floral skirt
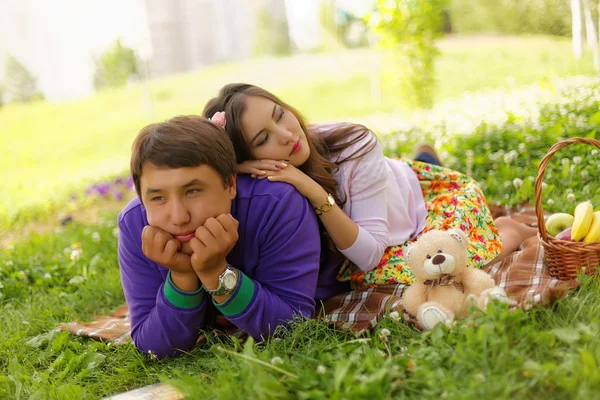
pixel 454 201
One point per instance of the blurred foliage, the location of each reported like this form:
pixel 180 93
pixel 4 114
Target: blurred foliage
pixel 504 156
pixel 20 86
pixel 552 17
pixel 115 67
pixel 272 35
pixel 409 28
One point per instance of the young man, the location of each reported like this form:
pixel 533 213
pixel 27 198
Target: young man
pixel 196 243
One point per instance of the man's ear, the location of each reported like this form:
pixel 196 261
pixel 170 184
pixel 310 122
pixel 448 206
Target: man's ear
pixel 231 187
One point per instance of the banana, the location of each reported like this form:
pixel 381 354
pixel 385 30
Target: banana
pixel 593 234
pixel 584 212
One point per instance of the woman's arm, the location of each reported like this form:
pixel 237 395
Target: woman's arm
pixel 363 235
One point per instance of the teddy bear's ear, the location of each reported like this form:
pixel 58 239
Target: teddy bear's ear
pixel 459 236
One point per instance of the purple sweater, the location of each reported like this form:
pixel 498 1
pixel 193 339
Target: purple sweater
pixel 277 254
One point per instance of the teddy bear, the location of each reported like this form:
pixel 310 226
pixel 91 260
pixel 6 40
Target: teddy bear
pixel 445 286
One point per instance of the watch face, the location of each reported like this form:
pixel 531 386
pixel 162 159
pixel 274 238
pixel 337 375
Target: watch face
pixel 229 280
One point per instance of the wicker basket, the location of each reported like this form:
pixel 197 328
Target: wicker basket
pixel 564 258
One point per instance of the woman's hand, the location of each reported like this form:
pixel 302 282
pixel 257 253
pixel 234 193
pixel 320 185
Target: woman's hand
pixel 302 182
pixel 259 167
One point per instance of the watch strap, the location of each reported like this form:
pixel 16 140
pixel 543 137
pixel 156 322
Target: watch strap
pixel 329 203
pixel 222 289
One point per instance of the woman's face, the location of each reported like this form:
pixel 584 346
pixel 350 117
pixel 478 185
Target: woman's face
pixel 273 133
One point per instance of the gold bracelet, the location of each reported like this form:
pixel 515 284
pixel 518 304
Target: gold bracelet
pixel 330 202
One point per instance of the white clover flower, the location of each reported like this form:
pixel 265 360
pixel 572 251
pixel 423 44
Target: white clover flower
pixel 76 254
pixel 321 369
pixel 384 334
pixel 594 152
pixel 565 161
pixel 544 185
pixel 76 280
pixel 96 237
pixel 8 263
pixel 47 275
pixel 115 232
pixel 517 183
pixel 577 160
pixel 585 175
pixel 522 147
pixel 570 197
pixel 276 360
pixel 395 316
pixel 507 184
pixel 510 156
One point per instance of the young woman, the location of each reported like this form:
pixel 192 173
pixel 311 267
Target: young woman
pixel 369 206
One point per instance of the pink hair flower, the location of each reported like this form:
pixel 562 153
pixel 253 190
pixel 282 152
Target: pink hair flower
pixel 218 118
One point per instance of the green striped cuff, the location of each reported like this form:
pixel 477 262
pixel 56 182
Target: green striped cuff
pixel 240 299
pixel 180 298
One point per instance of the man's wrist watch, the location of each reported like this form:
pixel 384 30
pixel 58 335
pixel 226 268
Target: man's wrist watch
pixel 228 280
pixel 330 202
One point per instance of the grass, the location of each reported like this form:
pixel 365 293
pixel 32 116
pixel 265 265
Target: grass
pixel 53 150
pixel 67 273
pixel 550 353
pixel 553 352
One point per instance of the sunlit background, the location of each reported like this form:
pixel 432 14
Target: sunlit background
pixel 79 79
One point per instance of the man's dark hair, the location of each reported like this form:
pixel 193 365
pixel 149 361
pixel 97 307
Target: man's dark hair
pixel 183 141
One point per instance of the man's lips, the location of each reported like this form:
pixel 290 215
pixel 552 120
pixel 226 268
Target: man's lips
pixel 296 148
pixel 186 237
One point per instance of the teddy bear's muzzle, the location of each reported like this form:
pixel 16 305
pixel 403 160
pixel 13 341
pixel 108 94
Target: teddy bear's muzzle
pixel 440 264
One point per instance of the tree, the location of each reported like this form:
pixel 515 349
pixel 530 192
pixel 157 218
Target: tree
pixel 591 34
pixel 577 28
pixel 20 84
pixel 272 35
pixel 115 66
pixel 408 29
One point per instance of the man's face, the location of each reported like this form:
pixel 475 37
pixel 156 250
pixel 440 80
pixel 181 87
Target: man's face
pixel 179 200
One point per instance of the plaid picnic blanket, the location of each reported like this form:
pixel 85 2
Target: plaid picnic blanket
pixel 522 275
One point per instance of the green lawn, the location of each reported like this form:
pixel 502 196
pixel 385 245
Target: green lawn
pixel 48 150
pixel 71 273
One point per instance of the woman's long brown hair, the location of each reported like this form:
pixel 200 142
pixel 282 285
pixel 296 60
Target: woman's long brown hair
pixel 324 144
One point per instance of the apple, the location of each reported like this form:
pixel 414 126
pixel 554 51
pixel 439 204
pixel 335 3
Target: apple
pixel 558 222
pixel 565 235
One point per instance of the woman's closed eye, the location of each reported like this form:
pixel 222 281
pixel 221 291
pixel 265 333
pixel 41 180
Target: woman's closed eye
pixel 263 140
pixel 280 114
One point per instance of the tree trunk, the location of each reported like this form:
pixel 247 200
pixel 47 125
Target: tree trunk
pixel 591 35
pixel 577 28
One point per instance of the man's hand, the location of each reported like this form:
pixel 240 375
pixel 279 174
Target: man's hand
pixel 213 242
pixel 163 248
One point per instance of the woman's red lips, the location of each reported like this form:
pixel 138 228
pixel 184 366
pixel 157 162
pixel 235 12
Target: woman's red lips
pixel 185 237
pixel 296 148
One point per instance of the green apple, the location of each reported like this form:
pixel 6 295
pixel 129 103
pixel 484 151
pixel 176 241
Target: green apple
pixel 558 222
